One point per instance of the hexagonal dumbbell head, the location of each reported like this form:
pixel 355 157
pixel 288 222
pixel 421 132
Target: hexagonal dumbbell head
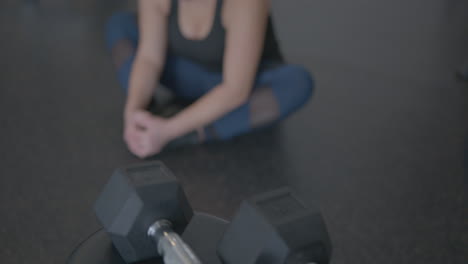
pixel 276 228
pixel 133 199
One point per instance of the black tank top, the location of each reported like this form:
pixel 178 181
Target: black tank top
pixel 209 52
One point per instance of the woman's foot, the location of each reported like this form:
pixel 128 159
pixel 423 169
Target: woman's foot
pixel 192 138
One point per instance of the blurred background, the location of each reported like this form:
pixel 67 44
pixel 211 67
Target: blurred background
pixel 380 149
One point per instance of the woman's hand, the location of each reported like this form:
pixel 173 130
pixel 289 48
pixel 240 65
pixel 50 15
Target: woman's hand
pixel 145 134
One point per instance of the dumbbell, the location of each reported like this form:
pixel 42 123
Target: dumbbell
pixel 144 209
pixel 276 228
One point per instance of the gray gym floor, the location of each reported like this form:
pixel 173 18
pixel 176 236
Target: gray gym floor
pixel 380 148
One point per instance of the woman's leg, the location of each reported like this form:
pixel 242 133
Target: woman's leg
pixel 277 94
pixel 122 42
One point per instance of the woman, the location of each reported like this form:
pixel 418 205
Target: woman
pixel 220 54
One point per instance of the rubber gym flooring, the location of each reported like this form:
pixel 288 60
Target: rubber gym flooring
pixel 380 148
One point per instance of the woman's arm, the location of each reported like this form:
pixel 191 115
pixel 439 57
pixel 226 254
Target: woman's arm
pixel 151 53
pixel 146 70
pixel 245 22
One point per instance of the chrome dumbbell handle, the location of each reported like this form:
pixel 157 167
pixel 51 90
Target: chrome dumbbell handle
pixel 169 244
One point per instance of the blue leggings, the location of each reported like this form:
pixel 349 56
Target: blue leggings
pixel 291 85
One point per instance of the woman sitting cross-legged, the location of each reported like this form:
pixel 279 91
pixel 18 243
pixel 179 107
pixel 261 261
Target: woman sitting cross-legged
pixel 222 55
